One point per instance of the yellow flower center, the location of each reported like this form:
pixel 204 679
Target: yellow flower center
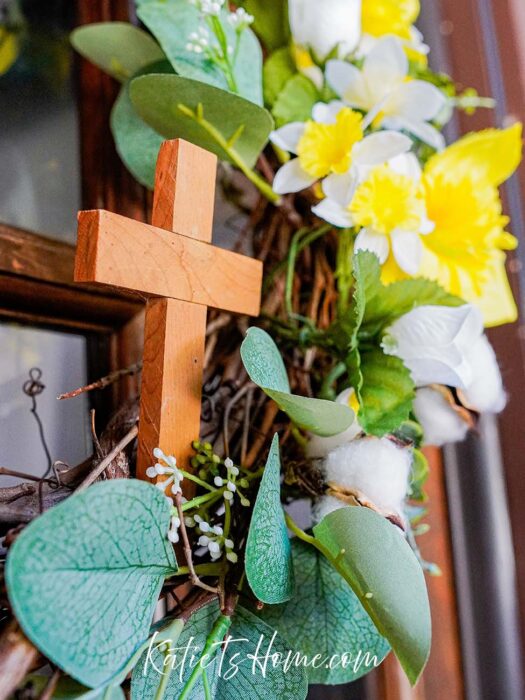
pixel 327 148
pixel 387 200
pixel 382 17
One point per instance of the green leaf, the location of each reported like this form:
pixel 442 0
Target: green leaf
pixel 84 578
pixel 69 689
pixel 385 392
pixel 295 101
pixel 270 21
pixel 137 144
pixel 419 476
pixel 377 305
pixel 166 102
pixel 326 618
pixel 375 559
pixel 119 48
pixel 268 554
pixel 277 71
pixel 172 23
pixel 265 367
pixel 235 675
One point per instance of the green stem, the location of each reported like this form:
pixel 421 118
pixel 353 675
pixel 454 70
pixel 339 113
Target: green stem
pixel 221 626
pixel 333 375
pixel 198 481
pixel 218 30
pixel 302 239
pixel 206 685
pixel 210 569
pixel 259 182
pixel 165 678
pixel 199 500
pixel 309 539
pixel 227 519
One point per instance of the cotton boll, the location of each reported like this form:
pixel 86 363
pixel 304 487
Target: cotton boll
pixel 374 466
pixel 440 422
pixel 325 26
pixel 326 505
pixel 485 392
pixel 319 447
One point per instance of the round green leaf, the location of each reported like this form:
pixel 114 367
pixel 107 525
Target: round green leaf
pixel 231 675
pixel 263 362
pixel 166 103
pixel 137 143
pixel 326 618
pixel 69 689
pixel 268 558
pixel 279 67
pixel 119 48
pixel 84 577
pixel 378 563
pixel 296 101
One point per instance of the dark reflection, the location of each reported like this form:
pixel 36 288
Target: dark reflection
pixel 39 178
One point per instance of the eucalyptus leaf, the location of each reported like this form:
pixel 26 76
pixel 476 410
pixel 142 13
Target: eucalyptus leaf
pixel 326 618
pixel 137 144
pixel 118 48
pixel 376 560
pixel 268 559
pixel 172 24
pixel 69 689
pixel 84 578
pixel 231 674
pixel 296 101
pixel 178 107
pixel 265 367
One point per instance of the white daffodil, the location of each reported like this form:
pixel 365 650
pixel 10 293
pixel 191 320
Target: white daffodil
pixel 441 420
pixel 383 89
pixel 319 447
pixel 387 203
pixel 323 27
pixel 331 143
pixel 435 342
pixel 372 467
pixel 413 45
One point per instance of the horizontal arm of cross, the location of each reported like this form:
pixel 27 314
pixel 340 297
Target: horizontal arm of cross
pixel 114 250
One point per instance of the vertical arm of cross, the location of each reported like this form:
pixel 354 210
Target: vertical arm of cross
pixel 175 330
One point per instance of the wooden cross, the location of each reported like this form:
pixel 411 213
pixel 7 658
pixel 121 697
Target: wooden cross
pixel 174 265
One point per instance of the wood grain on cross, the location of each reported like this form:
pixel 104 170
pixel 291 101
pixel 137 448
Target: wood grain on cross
pixel 174 265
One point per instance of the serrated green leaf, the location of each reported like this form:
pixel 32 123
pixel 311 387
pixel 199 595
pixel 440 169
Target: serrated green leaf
pixel 377 305
pixel 268 558
pixel 163 102
pixel 270 21
pixel 265 367
pixel 172 23
pixel 84 578
pixel 118 48
pixel 296 101
pixel 277 71
pixel 385 392
pixel 247 679
pixel 325 617
pixel 376 560
pixel 137 144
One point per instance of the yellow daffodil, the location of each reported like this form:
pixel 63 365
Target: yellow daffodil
pixel 381 17
pixel 331 147
pixel 464 252
pixel 8 49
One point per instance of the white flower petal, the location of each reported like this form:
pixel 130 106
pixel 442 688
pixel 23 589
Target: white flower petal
pixel 485 392
pixel 408 250
pixel 326 113
pixel 288 136
pixel 332 212
pixel 292 178
pixel 380 147
pixel 368 239
pixel 348 82
pixel 386 64
pixel 341 188
pixel 324 26
pixel 421 130
pixel 406 164
pixel 419 101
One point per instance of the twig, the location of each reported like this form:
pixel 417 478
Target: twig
pixel 12 493
pixel 96 442
pixel 51 685
pixel 17 657
pixel 187 550
pixel 93 476
pixel 4 471
pixel 271 412
pixel 103 382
